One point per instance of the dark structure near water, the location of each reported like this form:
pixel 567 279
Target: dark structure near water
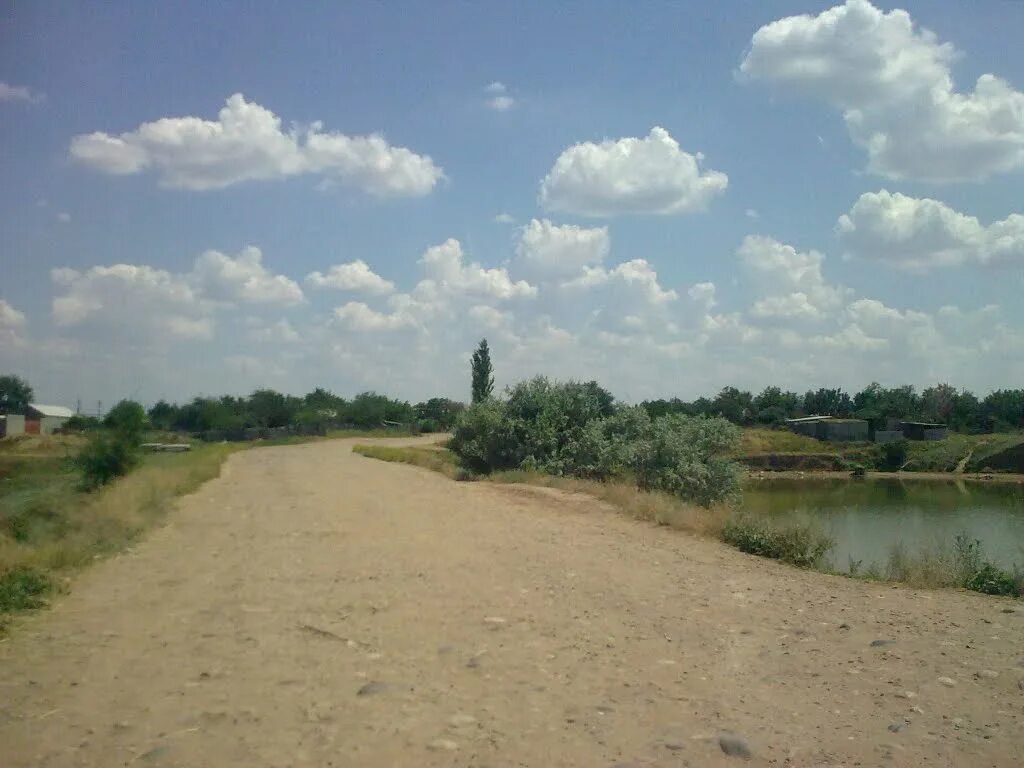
pixel 830 428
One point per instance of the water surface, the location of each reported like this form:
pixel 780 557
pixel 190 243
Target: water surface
pixel 868 517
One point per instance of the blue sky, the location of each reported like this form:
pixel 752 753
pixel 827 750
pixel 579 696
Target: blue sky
pixel 773 127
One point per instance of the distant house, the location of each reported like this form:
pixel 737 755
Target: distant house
pixel 830 428
pixel 46 419
pixel 923 430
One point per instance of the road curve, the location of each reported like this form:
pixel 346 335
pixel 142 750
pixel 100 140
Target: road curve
pixel 312 607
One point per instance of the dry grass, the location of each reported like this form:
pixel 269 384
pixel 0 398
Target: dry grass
pixel 51 527
pixel 432 457
pixel 651 506
pixel 758 440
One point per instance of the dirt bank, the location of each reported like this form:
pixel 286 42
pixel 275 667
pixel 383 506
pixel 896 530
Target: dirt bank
pixel 313 608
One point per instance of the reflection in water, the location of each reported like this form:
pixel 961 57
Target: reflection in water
pixel 868 517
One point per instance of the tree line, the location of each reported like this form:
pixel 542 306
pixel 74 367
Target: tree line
pixel 961 410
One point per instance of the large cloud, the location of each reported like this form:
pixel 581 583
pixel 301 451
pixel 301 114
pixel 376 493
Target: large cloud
pixel 246 143
pixel 130 303
pixel 893 85
pixel 631 175
pixel 923 233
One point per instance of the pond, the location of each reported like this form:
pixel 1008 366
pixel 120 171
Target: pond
pixel 867 518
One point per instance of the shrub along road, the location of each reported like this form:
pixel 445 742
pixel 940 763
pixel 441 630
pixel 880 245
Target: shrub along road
pixel 312 607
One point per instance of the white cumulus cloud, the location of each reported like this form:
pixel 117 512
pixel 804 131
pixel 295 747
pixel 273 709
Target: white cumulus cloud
pixel 130 303
pixel 12 325
pixel 793 279
pixel 358 316
pixel 649 175
pixel 921 233
pixel 246 143
pixel 893 85
pixel 243 278
pixel 546 248
pixel 448 274
pixel 353 276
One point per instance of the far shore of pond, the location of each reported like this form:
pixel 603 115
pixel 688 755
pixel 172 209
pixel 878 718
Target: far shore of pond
pixel 974 477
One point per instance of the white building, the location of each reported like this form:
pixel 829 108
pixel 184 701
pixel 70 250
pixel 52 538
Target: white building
pixel 50 417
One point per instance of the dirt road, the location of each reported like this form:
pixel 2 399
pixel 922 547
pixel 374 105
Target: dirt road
pixel 316 608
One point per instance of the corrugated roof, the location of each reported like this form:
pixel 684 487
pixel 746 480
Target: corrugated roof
pixel 51 410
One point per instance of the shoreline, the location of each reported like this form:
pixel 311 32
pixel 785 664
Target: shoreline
pixel 973 477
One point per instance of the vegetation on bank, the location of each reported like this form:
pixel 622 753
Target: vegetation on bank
pixel 577 429
pixel 772 449
pixel 963 411
pixel 51 522
pixel 803 544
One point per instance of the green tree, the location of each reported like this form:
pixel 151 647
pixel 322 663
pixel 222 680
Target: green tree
pixel 127 419
pixel 735 405
pixel 162 415
pixel 15 394
pixel 483 372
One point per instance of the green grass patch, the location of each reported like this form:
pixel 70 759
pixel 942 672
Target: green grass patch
pixel 50 526
pixel 436 459
pixel 801 544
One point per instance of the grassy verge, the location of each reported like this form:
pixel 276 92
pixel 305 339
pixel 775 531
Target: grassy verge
pixel 651 506
pixel 803 544
pixel 49 527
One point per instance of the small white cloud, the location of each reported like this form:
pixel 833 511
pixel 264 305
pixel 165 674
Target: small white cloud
pixel 750 213
pixel 549 249
pixel 246 143
pixel 504 218
pixel 703 294
pixel 12 324
pixel 649 175
pixel 447 273
pixel 357 316
pixel 19 93
pixel 354 276
pixel 495 87
pixel 63 218
pixel 501 103
pixel 243 278
pixel 280 332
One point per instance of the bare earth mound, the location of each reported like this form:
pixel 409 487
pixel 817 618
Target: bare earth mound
pixel 313 608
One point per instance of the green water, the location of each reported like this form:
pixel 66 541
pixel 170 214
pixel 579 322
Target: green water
pixel 868 517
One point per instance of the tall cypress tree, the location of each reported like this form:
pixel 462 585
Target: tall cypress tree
pixel 483 372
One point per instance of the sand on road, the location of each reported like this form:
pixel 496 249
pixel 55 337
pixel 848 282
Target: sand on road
pixel 312 607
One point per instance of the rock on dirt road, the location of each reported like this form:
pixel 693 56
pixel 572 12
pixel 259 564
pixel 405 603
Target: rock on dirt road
pixel 312 607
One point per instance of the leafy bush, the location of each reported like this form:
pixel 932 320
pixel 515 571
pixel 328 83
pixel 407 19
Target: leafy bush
pixel 684 456
pixel 575 429
pixel 802 545
pixel 994 581
pixel 128 419
pixel 22 587
pixel 106 456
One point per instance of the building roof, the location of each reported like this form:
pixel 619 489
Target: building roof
pixel 52 410
pixel 804 419
pixel 921 424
